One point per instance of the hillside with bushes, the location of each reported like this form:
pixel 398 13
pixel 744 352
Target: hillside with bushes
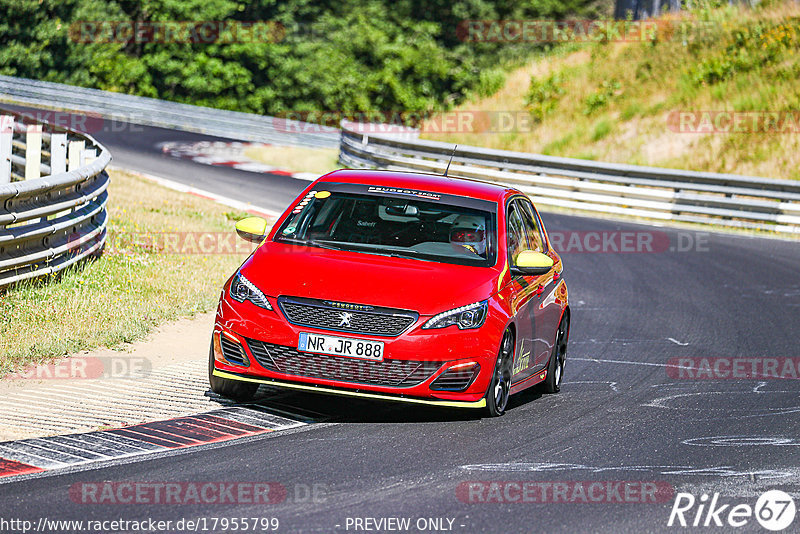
pixel 716 89
pixel 311 55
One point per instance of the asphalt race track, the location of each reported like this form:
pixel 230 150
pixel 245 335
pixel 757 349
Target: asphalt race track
pixel 626 412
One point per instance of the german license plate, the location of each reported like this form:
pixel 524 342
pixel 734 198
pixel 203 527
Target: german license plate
pixel 341 346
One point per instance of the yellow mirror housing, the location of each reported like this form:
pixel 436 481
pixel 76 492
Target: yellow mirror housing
pixel 533 263
pixel 252 229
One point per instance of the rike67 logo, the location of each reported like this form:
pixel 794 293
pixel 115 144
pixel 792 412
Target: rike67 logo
pixel 774 510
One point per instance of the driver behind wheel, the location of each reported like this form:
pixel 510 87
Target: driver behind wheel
pixel 469 232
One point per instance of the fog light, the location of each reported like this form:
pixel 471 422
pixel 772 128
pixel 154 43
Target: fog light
pixel 457 378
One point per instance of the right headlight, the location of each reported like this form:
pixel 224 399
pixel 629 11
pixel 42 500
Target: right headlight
pixel 466 317
pixel 243 289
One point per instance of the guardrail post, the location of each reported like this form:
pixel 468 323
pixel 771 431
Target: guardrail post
pixel 58 153
pixel 6 137
pixel 76 154
pixel 33 152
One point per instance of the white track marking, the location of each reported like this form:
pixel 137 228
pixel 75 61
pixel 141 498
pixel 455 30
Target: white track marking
pixel 742 441
pixel 721 471
pixel 682 384
pixel 661 403
pixel 226 201
pixel 664 365
pixel 612 385
pixel 677 342
pixel 628 362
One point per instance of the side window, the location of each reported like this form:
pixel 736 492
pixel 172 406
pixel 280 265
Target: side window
pixel 542 229
pixel 531 225
pixel 517 240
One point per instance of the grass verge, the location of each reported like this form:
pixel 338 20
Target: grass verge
pixel 295 158
pixel 159 264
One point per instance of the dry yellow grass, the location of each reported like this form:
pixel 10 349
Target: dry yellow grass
pixel 298 159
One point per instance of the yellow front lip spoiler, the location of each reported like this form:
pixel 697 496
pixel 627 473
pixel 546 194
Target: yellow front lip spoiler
pixel 347 393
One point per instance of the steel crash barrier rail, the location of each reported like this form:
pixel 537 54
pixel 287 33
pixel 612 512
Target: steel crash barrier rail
pixel 52 198
pixel 162 113
pixel 594 187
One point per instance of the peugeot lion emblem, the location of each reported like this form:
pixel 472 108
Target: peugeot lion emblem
pixel 345 319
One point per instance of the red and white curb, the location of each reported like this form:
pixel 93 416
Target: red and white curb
pixel 232 154
pixel 39 455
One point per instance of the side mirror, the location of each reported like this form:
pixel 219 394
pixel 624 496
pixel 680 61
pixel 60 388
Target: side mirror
pixel 532 263
pixel 252 229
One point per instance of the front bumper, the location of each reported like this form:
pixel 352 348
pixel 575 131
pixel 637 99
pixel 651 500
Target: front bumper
pixel 436 350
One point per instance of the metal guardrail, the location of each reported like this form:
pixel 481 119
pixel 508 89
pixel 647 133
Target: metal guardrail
pixel 651 192
pixel 49 222
pixel 153 112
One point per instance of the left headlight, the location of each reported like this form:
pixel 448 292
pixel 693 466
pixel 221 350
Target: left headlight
pixel 466 317
pixel 243 289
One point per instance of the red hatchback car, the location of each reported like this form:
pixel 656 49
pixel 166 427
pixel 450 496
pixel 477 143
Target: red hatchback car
pixel 400 286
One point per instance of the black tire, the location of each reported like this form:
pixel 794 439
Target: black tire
pixel 500 387
pixel 558 359
pixel 232 389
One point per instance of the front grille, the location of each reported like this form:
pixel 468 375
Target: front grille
pixel 290 361
pixel 374 321
pixel 232 351
pixel 456 379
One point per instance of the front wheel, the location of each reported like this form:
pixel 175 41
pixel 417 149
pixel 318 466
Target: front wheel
pixel 500 387
pixel 232 389
pixel 558 359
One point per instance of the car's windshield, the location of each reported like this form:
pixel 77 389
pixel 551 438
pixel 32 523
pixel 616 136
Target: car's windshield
pixel 433 228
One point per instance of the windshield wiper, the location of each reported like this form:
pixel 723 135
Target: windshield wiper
pixel 313 243
pixel 324 244
pixel 377 249
pixel 348 246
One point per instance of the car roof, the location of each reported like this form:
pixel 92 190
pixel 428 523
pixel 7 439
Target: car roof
pixel 435 183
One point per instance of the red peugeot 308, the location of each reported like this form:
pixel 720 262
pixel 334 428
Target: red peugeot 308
pixel 398 286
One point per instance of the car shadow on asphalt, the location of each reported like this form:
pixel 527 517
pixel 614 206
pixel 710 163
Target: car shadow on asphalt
pixel 336 409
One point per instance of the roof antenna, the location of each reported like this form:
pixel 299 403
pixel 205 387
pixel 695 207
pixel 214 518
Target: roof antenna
pixel 451 160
